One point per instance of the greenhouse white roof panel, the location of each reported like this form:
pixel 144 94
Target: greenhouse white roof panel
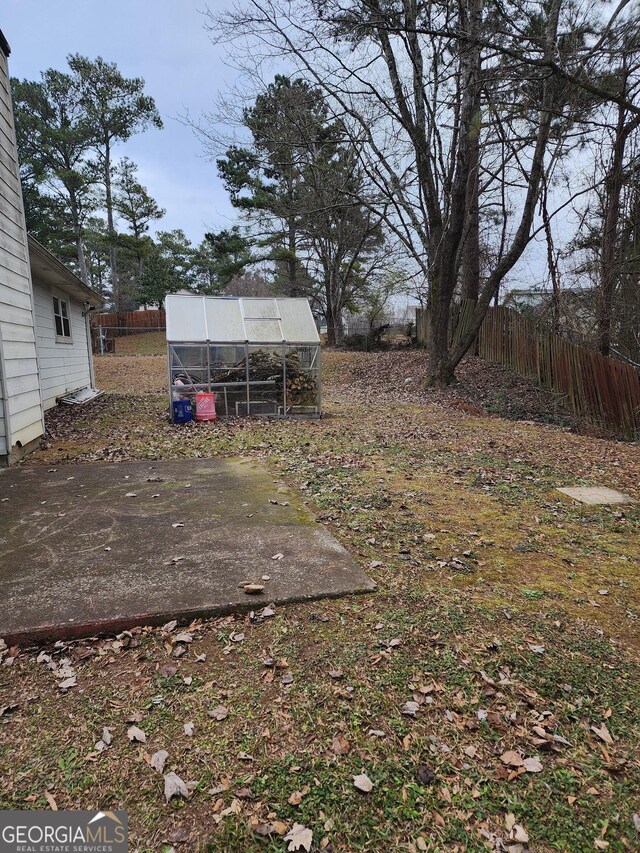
pixel 222 319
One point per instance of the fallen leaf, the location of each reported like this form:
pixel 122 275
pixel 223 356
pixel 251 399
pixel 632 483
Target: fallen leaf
pixel 136 717
pixel 299 837
pixel 340 745
pixel 425 775
pixel 185 637
pixel 276 827
pixel 603 734
pixel 532 765
pixel 188 729
pixel 512 758
pixel 297 796
pixel 51 800
pixel 363 783
pixel 158 760
pixel 178 835
pixel 220 713
pixel 519 834
pixel 134 733
pixel 174 787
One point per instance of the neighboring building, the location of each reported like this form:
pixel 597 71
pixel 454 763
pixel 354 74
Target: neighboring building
pixel 526 299
pixel 576 315
pixel 44 336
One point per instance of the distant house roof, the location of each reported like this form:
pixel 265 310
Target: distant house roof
pixel 538 297
pixel 46 268
pixel 221 319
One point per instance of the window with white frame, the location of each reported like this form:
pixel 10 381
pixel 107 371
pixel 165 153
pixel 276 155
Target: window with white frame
pixel 61 316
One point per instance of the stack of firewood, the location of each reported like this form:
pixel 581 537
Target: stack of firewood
pixel 265 366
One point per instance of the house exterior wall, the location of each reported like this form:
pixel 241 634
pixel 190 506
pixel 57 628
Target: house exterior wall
pixel 64 365
pixel 21 412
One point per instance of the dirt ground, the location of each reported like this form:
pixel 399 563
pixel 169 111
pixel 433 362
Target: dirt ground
pixel 483 698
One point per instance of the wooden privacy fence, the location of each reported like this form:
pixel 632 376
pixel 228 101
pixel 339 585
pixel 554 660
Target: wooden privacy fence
pixel 108 326
pixel 597 388
pixel 120 323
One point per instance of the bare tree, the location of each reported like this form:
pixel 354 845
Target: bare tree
pixel 625 125
pixel 438 144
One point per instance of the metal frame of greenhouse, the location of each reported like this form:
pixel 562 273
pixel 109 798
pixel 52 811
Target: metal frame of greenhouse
pixel 259 356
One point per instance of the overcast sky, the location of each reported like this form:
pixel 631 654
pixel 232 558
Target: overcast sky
pixel 162 41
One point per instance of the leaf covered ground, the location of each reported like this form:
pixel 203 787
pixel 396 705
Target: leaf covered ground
pixel 485 697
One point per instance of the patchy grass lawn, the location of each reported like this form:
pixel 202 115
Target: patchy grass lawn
pixel 489 689
pixel 142 343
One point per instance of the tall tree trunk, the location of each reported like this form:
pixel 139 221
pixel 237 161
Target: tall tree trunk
pixel 115 286
pixel 331 324
pixel 551 262
pixel 470 270
pixel 445 241
pixel 77 233
pixel 335 330
pixel 536 171
pixel 440 369
pixel 608 246
pixel 82 261
pixel 292 262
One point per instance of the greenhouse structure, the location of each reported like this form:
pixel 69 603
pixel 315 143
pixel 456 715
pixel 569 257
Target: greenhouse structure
pixel 258 356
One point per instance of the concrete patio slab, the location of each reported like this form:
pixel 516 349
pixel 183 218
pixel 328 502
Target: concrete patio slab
pixel 594 495
pixel 94 548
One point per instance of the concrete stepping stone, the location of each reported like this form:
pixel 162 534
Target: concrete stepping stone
pixel 595 495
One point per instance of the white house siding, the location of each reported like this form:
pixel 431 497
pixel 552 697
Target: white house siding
pixel 21 412
pixel 64 367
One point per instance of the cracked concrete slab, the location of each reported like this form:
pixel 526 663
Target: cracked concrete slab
pixel 94 548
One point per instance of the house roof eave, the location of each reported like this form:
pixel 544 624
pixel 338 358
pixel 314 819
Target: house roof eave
pixel 46 268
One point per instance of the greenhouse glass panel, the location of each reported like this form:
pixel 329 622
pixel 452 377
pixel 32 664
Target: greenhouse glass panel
pixel 258 356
